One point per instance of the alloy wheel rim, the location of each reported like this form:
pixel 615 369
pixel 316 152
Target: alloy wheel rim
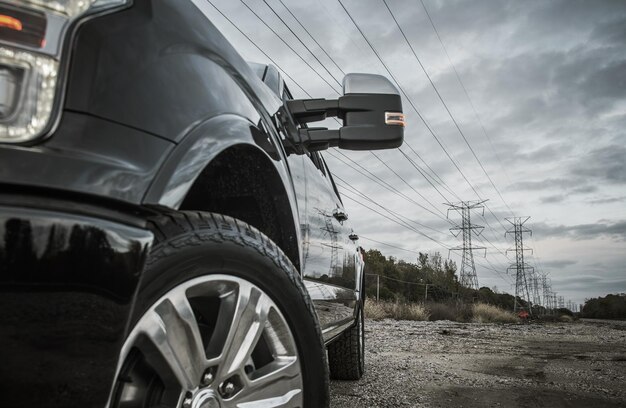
pixel 213 342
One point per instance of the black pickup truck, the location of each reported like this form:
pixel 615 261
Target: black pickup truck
pixel 170 234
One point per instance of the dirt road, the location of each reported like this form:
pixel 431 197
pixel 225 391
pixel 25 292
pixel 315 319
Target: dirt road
pixel 447 364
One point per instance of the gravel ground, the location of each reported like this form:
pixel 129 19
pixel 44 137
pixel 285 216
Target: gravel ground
pixel 448 364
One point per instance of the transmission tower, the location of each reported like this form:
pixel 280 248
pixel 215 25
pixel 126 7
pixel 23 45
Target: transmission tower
pixel 535 287
pixel 546 292
pixel 553 302
pixel 521 268
pixel 467 273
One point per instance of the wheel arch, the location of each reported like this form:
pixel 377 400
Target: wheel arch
pixel 229 166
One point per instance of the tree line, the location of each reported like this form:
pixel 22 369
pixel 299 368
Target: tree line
pixel 607 307
pixel 431 279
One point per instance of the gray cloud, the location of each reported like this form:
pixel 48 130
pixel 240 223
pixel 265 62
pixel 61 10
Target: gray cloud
pixel 547 184
pixel 552 199
pixel 615 230
pixel 561 263
pixel 584 189
pixel 613 32
pixel 559 198
pixel 607 82
pixel 605 164
pixel 591 286
pixel 608 200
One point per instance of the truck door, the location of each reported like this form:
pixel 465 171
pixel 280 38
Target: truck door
pixel 328 254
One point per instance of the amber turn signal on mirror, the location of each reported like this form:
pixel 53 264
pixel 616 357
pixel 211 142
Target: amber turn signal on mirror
pixel 395 118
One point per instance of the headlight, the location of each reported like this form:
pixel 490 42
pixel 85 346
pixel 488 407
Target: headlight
pixel 31 38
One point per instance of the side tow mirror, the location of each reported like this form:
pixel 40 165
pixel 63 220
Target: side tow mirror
pixel 371 110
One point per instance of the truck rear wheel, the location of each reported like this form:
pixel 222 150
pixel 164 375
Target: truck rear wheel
pixel 346 355
pixel 222 319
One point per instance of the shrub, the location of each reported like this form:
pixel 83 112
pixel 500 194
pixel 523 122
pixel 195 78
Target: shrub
pixel 484 313
pixel 375 310
pixel 479 312
pixel 409 311
pixel 395 310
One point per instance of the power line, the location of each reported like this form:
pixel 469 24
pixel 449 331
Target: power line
pixel 342 71
pixel 458 77
pixel 401 219
pixel 403 223
pixel 380 181
pixel 443 184
pixel 423 174
pixel 264 53
pixel 413 105
pixel 258 48
pixel 301 25
pixel 438 179
pixel 301 42
pixel 304 91
pixel 389 245
pixel 405 182
pixel 397 222
pixel 354 190
pixel 289 46
pixel 499 251
pixel 399 280
pixel 493 268
pixel 445 199
pixel 405 219
pixel 419 114
pixel 286 25
pixel 313 38
pixel 446 106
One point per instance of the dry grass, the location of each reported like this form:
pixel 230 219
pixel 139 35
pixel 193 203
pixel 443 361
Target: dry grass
pixel 375 310
pixel 484 313
pixel 395 310
pixel 409 311
pixel 566 319
pixel 479 313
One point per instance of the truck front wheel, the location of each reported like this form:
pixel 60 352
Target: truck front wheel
pixel 222 319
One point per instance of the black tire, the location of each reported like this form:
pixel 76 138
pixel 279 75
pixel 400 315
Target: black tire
pixel 346 355
pixel 195 244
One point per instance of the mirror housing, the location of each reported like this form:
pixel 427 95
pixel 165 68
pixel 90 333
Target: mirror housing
pixel 371 110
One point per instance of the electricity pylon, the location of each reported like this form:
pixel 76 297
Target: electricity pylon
pixel 520 267
pixel 535 286
pixel 553 301
pixel 467 275
pixel 546 293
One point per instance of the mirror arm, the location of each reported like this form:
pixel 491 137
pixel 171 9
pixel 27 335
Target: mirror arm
pixel 315 139
pixel 312 110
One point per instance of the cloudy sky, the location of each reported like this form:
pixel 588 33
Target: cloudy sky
pixel 544 110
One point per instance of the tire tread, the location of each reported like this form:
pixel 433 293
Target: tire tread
pixel 174 230
pixel 344 357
